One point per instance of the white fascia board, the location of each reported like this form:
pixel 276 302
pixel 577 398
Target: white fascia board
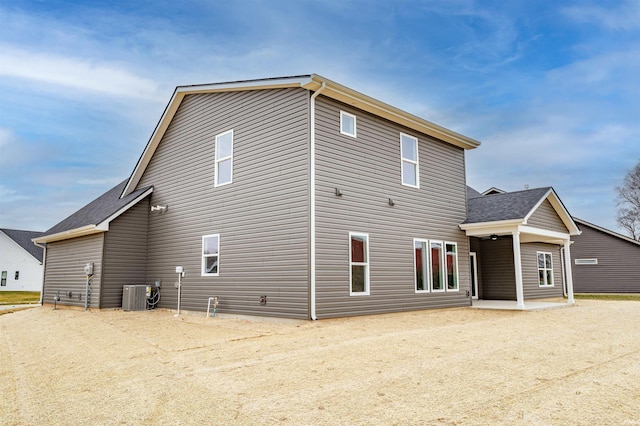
pixel 538 204
pixel 104 225
pixel 153 142
pixel 379 108
pixel 174 103
pixel 562 212
pixel 65 235
pixel 484 229
pixel 544 233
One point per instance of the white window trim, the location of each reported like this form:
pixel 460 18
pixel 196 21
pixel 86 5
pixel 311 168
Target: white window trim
pixel 446 276
pixel 203 266
pixel 443 266
pixel 367 283
pixel 545 269
pixel 426 267
pixel 355 126
pixel 403 159
pixel 590 261
pixel 218 160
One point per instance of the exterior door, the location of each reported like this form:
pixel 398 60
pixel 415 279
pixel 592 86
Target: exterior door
pixel 474 275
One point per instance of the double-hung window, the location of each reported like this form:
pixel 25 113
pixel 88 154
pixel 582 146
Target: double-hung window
pixel 3 279
pixel 224 158
pixel 545 269
pixel 347 124
pixel 211 255
pixel 409 154
pixel 359 263
pixel 435 266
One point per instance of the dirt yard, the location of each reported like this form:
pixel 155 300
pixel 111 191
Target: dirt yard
pixel 578 365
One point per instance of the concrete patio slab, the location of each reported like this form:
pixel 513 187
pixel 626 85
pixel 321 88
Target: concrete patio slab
pixel 511 305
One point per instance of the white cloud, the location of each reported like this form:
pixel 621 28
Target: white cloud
pixel 624 17
pixel 8 195
pixel 603 72
pixel 78 73
pixel 6 137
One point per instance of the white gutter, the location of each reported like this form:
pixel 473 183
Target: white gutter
pixel 312 204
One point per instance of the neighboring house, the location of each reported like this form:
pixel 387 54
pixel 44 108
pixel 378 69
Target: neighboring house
pixel 605 261
pixel 296 197
pixel 20 261
pixel 522 234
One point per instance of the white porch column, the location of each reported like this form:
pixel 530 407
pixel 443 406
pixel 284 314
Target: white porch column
pixel 567 268
pixel 517 263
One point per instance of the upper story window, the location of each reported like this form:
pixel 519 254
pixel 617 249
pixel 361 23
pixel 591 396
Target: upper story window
pixel 409 154
pixel 347 124
pixel 545 269
pixel 359 263
pixel 224 158
pixel 210 255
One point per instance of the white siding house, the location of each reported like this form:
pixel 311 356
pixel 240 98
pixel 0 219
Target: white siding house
pixel 21 266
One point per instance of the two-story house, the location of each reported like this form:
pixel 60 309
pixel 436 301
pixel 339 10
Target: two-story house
pixel 289 197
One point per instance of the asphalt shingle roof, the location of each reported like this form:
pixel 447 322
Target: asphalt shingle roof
pixel 23 238
pixel 507 206
pixel 98 210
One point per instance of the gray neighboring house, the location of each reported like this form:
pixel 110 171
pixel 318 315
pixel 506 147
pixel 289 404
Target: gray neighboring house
pixel 605 261
pixel 20 261
pixel 295 197
pixel 522 234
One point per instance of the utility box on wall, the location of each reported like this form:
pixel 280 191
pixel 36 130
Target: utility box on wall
pixel 134 297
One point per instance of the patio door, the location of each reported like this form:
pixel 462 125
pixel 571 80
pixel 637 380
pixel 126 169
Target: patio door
pixel 474 275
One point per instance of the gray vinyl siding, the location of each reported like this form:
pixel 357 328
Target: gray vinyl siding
pixel 498 270
pixel 367 170
pixel 618 268
pixel 125 254
pixel 530 283
pixel 64 270
pixel 545 217
pixel 262 216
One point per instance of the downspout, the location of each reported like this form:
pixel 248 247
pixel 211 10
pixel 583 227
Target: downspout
pixel 312 205
pixel 44 267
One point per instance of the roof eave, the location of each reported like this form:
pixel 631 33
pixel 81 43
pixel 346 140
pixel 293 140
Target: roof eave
pixel 359 100
pixel 66 235
pixel 103 226
pixel 606 231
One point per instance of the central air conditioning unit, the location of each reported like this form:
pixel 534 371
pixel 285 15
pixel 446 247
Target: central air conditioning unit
pixel 134 298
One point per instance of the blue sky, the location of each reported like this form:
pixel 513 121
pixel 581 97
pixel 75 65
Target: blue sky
pixel 551 89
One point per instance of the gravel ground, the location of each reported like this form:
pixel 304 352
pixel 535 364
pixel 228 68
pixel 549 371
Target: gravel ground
pixel 579 365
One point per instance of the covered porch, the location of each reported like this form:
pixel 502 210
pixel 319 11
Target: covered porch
pixel 520 248
pixel 511 261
